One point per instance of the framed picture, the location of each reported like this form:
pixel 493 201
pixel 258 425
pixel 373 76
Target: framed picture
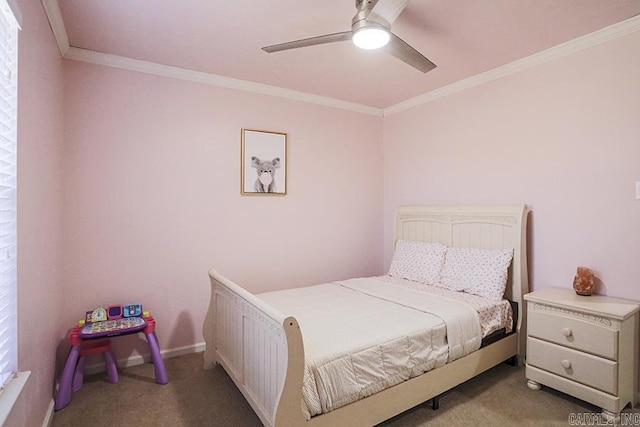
pixel 264 163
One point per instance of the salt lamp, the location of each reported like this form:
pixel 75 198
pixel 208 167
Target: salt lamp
pixel 583 282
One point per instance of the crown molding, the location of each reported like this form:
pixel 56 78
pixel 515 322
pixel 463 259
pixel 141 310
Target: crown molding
pixel 52 10
pixel 54 15
pixel 14 9
pixel 124 63
pixel 565 49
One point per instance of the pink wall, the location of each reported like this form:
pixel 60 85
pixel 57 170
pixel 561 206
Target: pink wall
pixel 40 132
pixel 152 196
pixel 129 187
pixel 563 137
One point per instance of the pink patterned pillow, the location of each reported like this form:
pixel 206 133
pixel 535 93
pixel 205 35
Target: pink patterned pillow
pixel 418 261
pixel 481 272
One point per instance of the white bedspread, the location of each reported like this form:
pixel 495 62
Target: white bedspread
pixel 364 335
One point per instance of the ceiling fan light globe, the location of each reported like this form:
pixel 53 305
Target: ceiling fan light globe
pixel 371 38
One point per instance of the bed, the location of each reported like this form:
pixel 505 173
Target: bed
pixel 262 349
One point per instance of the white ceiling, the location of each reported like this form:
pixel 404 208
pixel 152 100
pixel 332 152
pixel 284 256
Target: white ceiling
pixel 462 37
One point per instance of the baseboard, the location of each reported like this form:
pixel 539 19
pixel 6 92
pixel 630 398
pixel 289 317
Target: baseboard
pixel 49 415
pixel 146 358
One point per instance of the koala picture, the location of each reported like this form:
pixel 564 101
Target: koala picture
pixel 266 181
pixel 266 153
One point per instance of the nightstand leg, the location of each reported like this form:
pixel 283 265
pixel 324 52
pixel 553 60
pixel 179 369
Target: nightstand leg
pixel 610 417
pixel 533 385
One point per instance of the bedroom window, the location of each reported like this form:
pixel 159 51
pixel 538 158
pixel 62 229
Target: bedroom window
pixel 11 382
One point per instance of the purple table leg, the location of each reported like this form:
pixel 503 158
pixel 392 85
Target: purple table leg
pixel 112 366
pixel 63 397
pixel 156 358
pixel 78 375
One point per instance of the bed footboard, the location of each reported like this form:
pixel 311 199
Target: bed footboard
pixel 260 348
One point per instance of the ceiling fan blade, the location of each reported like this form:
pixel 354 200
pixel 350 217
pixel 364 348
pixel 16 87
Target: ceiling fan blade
pixel 401 50
pixel 311 41
pixel 385 12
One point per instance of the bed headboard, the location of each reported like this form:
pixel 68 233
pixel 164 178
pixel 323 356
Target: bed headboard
pixel 483 227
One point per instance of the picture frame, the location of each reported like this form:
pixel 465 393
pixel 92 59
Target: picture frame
pixel 264 163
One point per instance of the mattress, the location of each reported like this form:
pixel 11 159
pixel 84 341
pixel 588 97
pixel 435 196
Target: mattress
pixel 364 335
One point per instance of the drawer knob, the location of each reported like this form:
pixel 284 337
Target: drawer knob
pixel 565 363
pixel 566 332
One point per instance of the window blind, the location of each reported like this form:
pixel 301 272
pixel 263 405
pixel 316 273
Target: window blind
pixel 8 241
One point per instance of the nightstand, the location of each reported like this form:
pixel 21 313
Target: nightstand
pixel 585 346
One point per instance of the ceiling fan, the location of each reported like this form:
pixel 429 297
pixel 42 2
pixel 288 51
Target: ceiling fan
pixel 370 29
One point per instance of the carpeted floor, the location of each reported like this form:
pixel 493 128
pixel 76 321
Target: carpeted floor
pixel 195 397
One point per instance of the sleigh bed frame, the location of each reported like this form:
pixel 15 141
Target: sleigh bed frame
pixel 262 349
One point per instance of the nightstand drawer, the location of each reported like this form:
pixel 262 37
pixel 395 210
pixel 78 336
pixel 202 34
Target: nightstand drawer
pixel 584 368
pixel 572 332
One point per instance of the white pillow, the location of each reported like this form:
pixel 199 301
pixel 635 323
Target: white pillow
pixel 418 261
pixel 481 272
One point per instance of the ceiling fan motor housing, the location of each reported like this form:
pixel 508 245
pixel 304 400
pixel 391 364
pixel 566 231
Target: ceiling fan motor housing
pixel 360 18
pixel 365 4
